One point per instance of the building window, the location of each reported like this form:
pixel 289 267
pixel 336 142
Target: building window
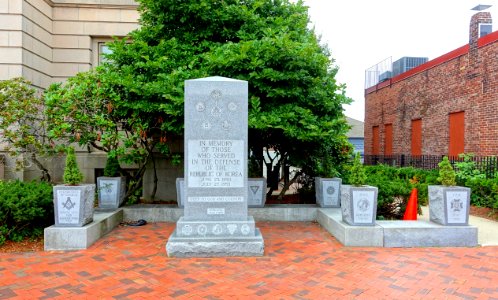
pixel 375 140
pixel 103 50
pixel 99 49
pixel 485 29
pixel 416 137
pixel 388 139
pixel 457 133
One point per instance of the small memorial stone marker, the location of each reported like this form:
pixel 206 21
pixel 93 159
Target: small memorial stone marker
pixel 257 192
pixel 111 191
pixel 215 221
pixel 180 191
pixel 359 205
pixel 73 205
pixel 449 205
pixel 328 191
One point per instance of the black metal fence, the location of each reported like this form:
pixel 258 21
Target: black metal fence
pixel 486 164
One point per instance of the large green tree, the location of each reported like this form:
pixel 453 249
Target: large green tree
pixel 87 110
pixel 295 101
pixel 295 105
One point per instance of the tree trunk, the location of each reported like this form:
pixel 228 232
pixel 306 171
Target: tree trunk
pixel 154 190
pixel 137 179
pixel 288 184
pixel 45 174
pixel 272 177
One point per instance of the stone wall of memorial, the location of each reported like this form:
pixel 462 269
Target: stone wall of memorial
pixel 464 80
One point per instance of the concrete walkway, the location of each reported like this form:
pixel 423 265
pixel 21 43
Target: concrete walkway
pixel 488 230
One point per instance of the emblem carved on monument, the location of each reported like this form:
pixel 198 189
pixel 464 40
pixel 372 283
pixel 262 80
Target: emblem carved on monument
pixel 202 229
pixel 232 228
pixel 216 94
pixel 232 106
pixel 187 230
pixel 226 125
pixel 206 125
pixel 68 204
pixel 363 204
pixel 200 107
pixel 245 229
pixel 330 190
pixel 457 205
pixel 216 110
pixel 217 230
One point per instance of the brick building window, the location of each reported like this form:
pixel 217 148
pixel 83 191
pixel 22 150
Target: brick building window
pixel 485 29
pixel 388 139
pixel 375 140
pixel 416 137
pixel 457 133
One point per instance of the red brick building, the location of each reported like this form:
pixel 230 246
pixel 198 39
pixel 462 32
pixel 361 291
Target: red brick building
pixel 446 106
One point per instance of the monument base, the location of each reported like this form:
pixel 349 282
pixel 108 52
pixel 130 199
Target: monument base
pixel 215 246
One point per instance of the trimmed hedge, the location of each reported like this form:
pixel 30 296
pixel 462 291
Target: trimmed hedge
pixel 395 186
pixel 26 208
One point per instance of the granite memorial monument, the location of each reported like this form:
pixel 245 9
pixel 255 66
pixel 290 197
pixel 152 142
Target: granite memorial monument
pixel 216 220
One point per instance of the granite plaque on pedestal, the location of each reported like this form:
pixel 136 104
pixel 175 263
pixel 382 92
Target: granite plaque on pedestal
pixel 215 221
pixel 449 205
pixel 257 192
pixel 111 191
pixel 359 205
pixel 180 191
pixel 73 205
pixel 328 191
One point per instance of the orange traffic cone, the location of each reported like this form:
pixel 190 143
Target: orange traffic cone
pixel 411 207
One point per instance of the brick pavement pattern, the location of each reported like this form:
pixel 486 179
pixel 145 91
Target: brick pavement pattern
pixel 301 261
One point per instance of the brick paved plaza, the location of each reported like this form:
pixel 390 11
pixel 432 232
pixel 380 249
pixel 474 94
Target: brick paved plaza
pixel 301 261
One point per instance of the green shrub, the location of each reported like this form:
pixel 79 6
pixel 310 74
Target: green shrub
pixel 446 173
pixel 484 192
pixel 467 170
pixel 112 167
pixel 395 186
pixel 357 176
pixel 26 208
pixel 392 197
pixel 72 173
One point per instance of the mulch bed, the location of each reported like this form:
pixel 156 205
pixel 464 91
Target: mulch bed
pixel 484 212
pixel 27 245
pixel 35 245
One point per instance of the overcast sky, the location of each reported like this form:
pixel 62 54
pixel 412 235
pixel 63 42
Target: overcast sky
pixel 361 33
